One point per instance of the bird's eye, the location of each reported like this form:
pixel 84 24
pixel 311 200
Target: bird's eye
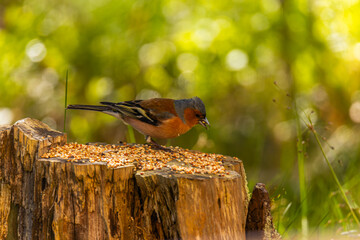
pixel 197 115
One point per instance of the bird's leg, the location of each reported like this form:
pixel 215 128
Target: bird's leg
pixel 149 140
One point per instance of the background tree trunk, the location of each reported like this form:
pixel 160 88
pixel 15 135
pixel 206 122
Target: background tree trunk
pixel 57 199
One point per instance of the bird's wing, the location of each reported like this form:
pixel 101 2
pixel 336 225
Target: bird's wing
pixel 160 108
pixel 151 111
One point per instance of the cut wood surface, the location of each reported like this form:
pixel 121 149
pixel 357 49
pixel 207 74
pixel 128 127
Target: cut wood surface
pixel 58 199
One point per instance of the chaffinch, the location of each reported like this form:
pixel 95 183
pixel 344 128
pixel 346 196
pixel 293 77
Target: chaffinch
pixel 156 117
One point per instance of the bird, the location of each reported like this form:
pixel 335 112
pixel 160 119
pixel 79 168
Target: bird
pixel 160 118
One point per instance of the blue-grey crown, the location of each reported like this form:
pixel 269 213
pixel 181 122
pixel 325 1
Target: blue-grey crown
pixel 194 102
pixel 199 105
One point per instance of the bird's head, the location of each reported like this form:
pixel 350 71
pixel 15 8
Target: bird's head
pixel 195 113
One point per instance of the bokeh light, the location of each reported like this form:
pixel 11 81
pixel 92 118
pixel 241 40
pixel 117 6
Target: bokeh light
pixel 236 60
pixel 357 51
pixel 36 50
pixel 6 116
pixel 187 62
pixel 354 112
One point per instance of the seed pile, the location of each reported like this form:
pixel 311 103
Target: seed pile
pixel 145 157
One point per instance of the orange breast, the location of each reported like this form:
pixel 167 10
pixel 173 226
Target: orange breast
pixel 170 128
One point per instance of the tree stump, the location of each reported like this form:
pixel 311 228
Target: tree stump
pixel 259 224
pixel 57 199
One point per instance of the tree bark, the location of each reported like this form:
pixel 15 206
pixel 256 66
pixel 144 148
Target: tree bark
pixel 57 199
pixel 21 178
pixel 259 224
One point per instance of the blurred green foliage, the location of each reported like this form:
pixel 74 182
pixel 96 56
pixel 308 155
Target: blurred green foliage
pixel 229 53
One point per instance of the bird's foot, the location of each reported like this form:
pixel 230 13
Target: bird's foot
pixel 156 145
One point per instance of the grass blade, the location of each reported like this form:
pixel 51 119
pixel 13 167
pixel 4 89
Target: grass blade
pixel 131 134
pixel 302 179
pixel 66 90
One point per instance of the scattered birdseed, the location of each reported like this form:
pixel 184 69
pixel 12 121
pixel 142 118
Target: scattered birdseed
pixel 144 157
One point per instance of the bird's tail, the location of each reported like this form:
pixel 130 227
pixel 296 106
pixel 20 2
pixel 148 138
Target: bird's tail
pixel 90 108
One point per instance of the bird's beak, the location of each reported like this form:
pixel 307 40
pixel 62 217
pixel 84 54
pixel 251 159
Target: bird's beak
pixel 204 122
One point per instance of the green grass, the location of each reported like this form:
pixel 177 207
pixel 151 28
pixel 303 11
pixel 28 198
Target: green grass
pixel 131 135
pixel 336 179
pixel 66 94
pixel 319 202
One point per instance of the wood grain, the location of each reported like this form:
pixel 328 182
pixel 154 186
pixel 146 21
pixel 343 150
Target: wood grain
pixel 57 199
